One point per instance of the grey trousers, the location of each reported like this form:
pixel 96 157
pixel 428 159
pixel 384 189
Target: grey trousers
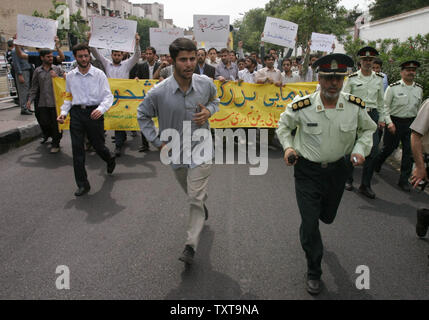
pixel 194 182
pixel 23 89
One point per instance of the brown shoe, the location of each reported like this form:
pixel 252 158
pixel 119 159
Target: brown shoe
pixel 55 150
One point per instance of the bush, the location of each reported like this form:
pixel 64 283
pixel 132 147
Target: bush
pixel 393 53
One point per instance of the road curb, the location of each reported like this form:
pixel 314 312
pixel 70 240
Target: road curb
pixel 17 137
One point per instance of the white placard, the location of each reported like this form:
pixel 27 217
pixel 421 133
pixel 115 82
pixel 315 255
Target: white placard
pixel 161 39
pixel 322 42
pixel 113 33
pixel 35 32
pixel 211 28
pixel 208 45
pixel 280 32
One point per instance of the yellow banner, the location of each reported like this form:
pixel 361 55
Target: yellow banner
pixel 241 105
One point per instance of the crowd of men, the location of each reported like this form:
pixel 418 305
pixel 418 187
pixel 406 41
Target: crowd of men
pixel 324 135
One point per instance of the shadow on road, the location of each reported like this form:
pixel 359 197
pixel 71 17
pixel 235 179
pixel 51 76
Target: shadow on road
pixel 201 282
pixel 43 159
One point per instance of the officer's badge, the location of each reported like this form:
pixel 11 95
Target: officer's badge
pixel 334 65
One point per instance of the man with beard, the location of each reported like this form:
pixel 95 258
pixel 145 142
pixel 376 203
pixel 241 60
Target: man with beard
pixel 226 70
pixel 248 74
pixel 329 125
pixel 367 85
pixel 117 68
pixel 202 67
pixel 88 97
pixel 183 104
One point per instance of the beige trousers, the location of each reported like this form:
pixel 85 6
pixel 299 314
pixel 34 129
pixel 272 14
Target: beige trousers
pixel 194 182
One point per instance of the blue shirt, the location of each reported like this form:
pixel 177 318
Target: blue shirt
pixel 175 110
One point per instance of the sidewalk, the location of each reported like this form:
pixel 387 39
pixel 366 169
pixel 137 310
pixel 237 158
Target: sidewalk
pixel 16 129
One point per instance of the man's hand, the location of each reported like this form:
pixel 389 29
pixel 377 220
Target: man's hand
pixel 57 42
pixel 162 146
pixel 61 119
pixel 137 38
pixel 357 159
pixel 88 34
pixel 240 44
pixel 96 114
pixel 381 125
pixel 419 175
pixel 279 84
pixel 28 105
pixel 221 79
pixel 21 78
pixel 53 74
pixel 201 117
pixel 289 152
pixel 164 64
pixel 391 127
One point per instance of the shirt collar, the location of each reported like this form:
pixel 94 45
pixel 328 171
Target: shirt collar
pixel 175 86
pixel 90 72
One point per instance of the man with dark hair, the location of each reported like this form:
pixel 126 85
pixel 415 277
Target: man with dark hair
pixel 269 74
pixel 183 104
pixel 118 68
pixel 41 87
pixel 233 56
pixel 248 74
pixel 226 70
pixel 329 124
pixel 241 64
pixel 376 67
pixel 202 67
pixel 213 59
pixel 88 97
pixel 288 76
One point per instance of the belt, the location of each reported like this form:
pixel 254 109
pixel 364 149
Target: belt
pixel 323 165
pixel 82 106
pixel 402 120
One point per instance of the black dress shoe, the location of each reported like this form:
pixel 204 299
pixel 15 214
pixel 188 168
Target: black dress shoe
pixel 367 191
pixel 144 148
pixel 313 286
pixel 422 222
pixel 206 212
pixel 187 255
pixel 111 166
pixel 405 187
pixel 349 186
pixel 81 191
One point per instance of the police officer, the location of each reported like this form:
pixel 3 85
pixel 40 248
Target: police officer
pixel 368 85
pixel 329 125
pixel 403 100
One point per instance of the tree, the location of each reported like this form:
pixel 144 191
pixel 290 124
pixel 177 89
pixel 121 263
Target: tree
pixel 386 8
pixel 250 29
pixel 143 26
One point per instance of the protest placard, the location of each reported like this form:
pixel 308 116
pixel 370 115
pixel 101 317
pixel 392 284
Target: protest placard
pixel 113 33
pixel 210 28
pixel 280 32
pixel 161 39
pixel 322 42
pixel 35 32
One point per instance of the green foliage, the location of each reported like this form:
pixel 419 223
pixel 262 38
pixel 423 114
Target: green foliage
pixel 251 28
pixel 143 26
pixel 393 53
pixel 387 8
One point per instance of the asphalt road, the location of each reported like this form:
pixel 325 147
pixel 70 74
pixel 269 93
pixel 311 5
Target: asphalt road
pixel 123 240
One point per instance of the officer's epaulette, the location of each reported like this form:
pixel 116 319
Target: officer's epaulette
pixel 357 101
pixel 379 74
pixel 395 84
pixel 419 85
pixel 301 104
pixel 353 75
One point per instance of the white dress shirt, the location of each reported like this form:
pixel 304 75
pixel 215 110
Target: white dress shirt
pixel 246 76
pixel 90 89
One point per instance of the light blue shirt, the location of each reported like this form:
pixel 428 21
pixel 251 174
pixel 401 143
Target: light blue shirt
pixel 175 109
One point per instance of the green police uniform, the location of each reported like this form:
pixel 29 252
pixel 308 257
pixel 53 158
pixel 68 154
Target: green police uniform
pixel 403 103
pixel 371 90
pixel 323 138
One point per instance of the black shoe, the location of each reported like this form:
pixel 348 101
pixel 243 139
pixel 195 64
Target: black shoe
pixel 44 139
pixel 206 212
pixel 144 148
pixel 314 287
pixel 405 187
pixel 349 186
pixel 422 222
pixel 367 191
pixel 111 166
pixel 82 190
pixel 117 152
pixel 26 112
pixel 187 255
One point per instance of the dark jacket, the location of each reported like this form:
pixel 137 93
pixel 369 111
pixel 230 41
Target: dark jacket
pixel 141 70
pixel 209 71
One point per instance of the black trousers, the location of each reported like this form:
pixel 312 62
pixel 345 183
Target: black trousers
pixel 391 142
pixel 120 138
pixel 368 166
pixel 48 122
pixel 318 193
pixel 81 124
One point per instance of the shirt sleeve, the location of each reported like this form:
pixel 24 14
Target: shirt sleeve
pixel 388 97
pixel 365 131
pixel 213 105
pixel 347 88
pixel 131 62
pixel 145 112
pixel 65 108
pixel 287 123
pixel 217 73
pixel 99 57
pixel 380 103
pixel 16 62
pixel 105 91
pixel 421 123
pixel 34 87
